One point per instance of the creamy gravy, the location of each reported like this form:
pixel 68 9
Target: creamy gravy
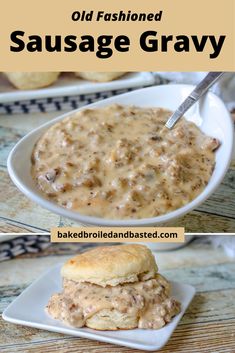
pixel 120 162
pixel 147 301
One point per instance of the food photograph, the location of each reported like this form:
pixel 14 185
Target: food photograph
pixel 117 149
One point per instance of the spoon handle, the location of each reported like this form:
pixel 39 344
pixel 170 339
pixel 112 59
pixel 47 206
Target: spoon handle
pixel 194 96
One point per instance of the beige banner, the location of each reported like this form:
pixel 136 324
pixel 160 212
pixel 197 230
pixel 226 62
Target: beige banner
pixel 199 18
pixel 117 234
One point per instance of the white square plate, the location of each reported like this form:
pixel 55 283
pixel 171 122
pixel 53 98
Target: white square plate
pixel 69 85
pixel 28 309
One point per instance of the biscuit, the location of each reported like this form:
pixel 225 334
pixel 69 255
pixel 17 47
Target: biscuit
pixel 31 80
pixel 112 288
pixel 111 265
pixel 112 320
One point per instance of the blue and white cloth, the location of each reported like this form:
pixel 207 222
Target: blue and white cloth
pixel 28 243
pixel 225 88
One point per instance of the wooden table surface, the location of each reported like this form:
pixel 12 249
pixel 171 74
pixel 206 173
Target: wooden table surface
pixel 18 214
pixel 208 326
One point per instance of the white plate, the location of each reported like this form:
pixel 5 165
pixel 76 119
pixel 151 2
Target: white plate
pixel 210 114
pixel 28 310
pixel 69 85
pixel 11 236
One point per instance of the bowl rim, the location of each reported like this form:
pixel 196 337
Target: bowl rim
pixel 105 222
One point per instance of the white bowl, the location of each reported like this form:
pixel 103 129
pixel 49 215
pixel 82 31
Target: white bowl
pixel 210 114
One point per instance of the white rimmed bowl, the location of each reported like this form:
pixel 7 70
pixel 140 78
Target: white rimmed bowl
pixel 209 114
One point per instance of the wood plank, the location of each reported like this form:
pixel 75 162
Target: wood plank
pixel 8 138
pixel 15 227
pixel 206 278
pixel 222 201
pixel 15 206
pixel 215 337
pixel 216 308
pixel 201 222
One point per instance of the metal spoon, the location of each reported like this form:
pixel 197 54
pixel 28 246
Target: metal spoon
pixel 194 96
